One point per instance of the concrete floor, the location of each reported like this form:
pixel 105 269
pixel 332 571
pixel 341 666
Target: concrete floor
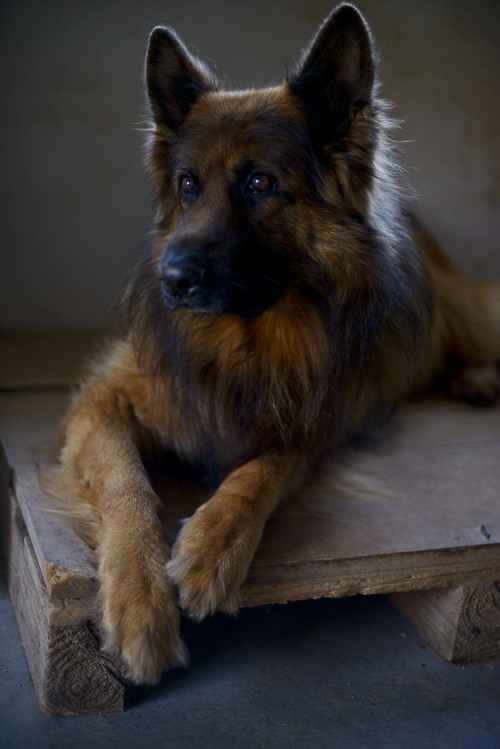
pixel 347 673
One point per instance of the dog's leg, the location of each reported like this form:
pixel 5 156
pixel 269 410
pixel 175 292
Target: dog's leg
pixel 214 549
pixel 467 330
pixel 101 469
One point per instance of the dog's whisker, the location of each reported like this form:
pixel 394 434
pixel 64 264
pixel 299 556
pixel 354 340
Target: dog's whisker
pixel 275 281
pixel 245 288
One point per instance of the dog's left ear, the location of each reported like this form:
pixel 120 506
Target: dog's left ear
pixel 175 79
pixel 335 76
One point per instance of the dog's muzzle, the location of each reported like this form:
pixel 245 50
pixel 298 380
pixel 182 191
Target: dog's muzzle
pixel 207 277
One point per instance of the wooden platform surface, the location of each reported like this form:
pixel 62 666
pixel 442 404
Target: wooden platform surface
pixel 416 514
pixel 421 509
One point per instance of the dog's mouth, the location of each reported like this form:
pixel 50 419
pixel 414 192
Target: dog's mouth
pixel 238 299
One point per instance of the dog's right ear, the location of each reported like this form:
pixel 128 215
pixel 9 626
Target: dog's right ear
pixel 175 79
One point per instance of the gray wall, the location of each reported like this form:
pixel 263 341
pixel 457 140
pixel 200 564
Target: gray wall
pixel 74 203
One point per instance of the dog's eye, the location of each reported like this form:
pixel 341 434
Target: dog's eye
pixel 260 184
pixel 187 186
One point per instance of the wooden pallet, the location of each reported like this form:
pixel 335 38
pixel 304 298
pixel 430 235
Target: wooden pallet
pixel 416 517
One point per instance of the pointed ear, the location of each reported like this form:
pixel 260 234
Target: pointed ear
pixel 175 79
pixel 335 76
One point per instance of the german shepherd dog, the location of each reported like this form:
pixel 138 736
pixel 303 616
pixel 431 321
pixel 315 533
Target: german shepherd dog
pixel 288 300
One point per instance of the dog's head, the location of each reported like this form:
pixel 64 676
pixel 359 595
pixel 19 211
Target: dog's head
pixel 240 177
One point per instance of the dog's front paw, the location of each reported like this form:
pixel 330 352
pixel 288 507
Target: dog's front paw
pixel 141 621
pixel 210 559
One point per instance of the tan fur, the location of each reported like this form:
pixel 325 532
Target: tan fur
pixel 262 397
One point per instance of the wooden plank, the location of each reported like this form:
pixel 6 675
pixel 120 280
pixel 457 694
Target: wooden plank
pixel 367 576
pixel 71 674
pixel 460 623
pixel 391 499
pixel 64 560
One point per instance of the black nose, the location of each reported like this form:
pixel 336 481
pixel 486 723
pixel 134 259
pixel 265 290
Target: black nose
pixel 181 275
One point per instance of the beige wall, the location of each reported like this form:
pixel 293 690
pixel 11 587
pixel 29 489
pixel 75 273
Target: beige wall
pixel 74 204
